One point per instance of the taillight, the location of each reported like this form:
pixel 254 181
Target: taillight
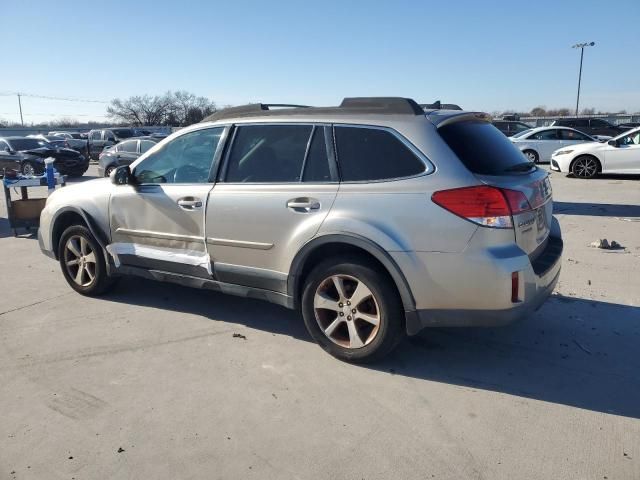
pixel 484 205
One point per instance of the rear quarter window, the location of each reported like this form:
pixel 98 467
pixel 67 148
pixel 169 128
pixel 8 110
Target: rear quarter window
pixel 374 154
pixel 481 147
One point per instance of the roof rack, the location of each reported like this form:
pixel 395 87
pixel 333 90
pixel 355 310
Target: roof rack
pixel 354 105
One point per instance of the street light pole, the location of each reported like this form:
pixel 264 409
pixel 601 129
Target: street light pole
pixel 581 47
pixel 20 106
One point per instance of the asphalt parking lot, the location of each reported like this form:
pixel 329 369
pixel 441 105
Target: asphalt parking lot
pixel 151 381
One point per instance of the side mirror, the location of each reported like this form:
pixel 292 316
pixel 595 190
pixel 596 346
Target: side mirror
pixel 613 143
pixel 121 175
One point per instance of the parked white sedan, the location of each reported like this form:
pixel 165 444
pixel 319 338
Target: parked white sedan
pixel 621 154
pixel 538 144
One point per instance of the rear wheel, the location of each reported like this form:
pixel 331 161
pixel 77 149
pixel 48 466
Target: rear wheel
pixel 585 167
pixel 532 156
pixel 82 262
pixel 352 310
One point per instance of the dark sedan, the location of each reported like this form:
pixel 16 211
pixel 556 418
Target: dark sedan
pixel 27 155
pixel 124 153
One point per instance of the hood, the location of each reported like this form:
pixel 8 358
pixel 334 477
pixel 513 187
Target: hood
pixel 81 190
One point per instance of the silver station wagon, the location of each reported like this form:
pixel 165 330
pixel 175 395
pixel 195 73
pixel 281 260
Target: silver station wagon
pixel 375 219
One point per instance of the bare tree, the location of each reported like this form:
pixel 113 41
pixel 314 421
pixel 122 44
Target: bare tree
pixel 538 111
pixel 178 109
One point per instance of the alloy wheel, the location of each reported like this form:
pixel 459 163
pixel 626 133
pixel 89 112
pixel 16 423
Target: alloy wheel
pixel 347 311
pixel 28 170
pixel 531 156
pixel 585 167
pixel 80 260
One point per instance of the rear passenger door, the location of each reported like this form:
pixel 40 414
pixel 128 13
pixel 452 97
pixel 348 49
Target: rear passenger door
pixel 275 189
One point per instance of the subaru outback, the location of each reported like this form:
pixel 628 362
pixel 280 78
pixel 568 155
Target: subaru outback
pixel 374 219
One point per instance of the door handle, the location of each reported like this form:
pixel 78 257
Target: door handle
pixel 190 203
pixel 303 204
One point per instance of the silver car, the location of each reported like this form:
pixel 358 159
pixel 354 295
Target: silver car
pixel 538 144
pixel 375 219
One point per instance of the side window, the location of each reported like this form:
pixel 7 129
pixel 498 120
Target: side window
pixel 4 146
pixel 108 135
pixel 546 135
pixel 582 123
pixel 598 123
pixel 373 154
pixel 186 159
pixel 128 147
pixel 95 135
pixel 316 167
pixel 146 145
pixel 268 153
pixel 573 135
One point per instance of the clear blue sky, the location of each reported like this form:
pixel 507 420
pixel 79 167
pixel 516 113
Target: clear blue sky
pixel 484 55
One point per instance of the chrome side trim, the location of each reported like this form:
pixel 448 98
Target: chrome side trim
pixel 160 235
pixel 239 243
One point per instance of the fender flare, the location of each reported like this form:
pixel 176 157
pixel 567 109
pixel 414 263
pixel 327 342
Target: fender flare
pixel 96 231
pixel 293 282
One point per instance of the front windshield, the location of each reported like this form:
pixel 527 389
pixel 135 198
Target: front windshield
pixel 123 132
pixel 630 138
pixel 19 144
pixel 522 133
pixel 626 137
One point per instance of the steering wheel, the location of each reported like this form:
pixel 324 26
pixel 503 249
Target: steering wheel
pixel 188 174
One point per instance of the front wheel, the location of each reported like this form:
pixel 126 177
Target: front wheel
pixel 82 262
pixel 28 169
pixel 352 310
pixel 585 167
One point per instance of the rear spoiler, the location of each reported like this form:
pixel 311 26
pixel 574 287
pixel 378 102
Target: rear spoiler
pixel 440 118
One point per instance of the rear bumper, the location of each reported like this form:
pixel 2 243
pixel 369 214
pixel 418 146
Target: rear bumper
pixel 473 289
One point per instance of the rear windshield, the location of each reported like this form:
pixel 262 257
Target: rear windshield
pixel 482 148
pixel 123 132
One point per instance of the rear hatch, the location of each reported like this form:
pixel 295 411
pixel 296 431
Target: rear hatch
pixel 496 162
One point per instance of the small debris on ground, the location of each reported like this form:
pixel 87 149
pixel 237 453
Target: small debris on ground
pixel 120 450
pixel 239 335
pixel 604 244
pixel 70 458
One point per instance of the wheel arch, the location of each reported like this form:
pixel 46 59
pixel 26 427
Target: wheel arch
pixel 317 250
pixel 67 216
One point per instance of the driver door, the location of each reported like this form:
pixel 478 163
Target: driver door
pixel 157 222
pixel 625 158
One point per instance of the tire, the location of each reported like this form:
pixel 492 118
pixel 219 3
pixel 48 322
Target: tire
pixel 532 156
pixel 108 170
pixel 78 245
pixel 343 334
pixel 28 168
pixel 585 166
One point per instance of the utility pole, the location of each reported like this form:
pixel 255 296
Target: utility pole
pixel 581 47
pixel 20 106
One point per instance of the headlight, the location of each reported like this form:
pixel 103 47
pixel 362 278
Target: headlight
pixel 562 152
